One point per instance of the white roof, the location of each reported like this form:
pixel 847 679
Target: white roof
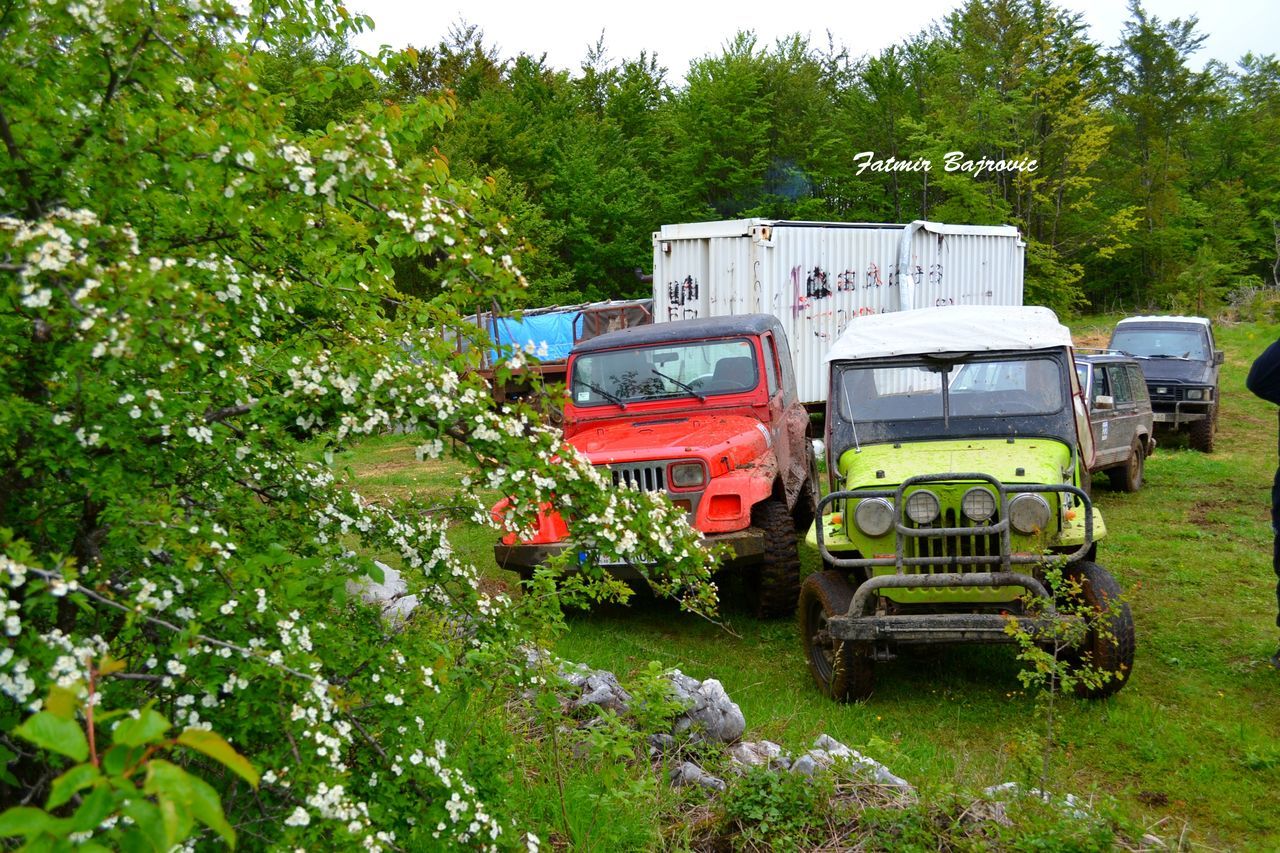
pixel 954 328
pixel 1168 319
pixel 742 228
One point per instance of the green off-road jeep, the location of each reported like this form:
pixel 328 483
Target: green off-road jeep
pixel 957 439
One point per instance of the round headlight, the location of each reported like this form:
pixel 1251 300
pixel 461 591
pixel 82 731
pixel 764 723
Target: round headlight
pixel 874 516
pixel 1195 394
pixel 923 506
pixel 978 504
pixel 1029 513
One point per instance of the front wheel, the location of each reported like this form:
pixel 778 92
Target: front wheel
pixel 1108 647
pixel 1201 433
pixel 843 670
pixel 778 580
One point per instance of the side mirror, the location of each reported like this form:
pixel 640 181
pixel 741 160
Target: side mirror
pixel 1103 401
pixel 1219 356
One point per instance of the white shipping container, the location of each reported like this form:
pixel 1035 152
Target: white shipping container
pixel 816 276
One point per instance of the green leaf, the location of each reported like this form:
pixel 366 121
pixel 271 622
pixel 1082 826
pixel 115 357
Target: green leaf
pixel 25 821
pixel 149 727
pixel 149 824
pixel 164 777
pixel 65 786
pixel 51 732
pixel 219 750
pixel 206 805
pixel 94 810
pixel 61 702
pixel 176 816
pixel 171 786
pixel 46 844
pixel 118 757
pixel 109 665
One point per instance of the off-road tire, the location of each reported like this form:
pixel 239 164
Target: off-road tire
pixel 1200 434
pixel 1109 646
pixel 843 671
pixel 778 579
pixel 1128 477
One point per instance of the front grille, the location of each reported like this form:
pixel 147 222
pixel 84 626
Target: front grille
pixel 1178 393
pixel 644 476
pixel 946 547
pixel 1171 392
pixel 652 477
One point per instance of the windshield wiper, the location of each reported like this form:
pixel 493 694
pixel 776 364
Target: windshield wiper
pixel 1167 355
pixel 686 386
pixel 612 398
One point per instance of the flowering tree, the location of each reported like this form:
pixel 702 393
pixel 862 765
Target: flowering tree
pixel 193 299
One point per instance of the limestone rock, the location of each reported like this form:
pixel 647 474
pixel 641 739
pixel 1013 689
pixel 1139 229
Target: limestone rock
pixel 711 713
pixel 389 595
pixel 828 751
pixel 763 753
pixel 689 773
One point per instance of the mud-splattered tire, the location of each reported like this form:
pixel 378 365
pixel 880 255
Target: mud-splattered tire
pixel 778 580
pixel 1109 645
pixel 843 671
pixel 1128 478
pixel 1201 433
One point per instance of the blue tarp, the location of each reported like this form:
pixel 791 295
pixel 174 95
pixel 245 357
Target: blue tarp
pixel 555 330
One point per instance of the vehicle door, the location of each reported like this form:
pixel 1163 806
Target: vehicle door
pixel 788 420
pixel 1101 410
pixel 1143 420
pixel 1124 417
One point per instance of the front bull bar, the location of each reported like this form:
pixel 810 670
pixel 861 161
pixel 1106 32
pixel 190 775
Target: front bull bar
pixel 858 624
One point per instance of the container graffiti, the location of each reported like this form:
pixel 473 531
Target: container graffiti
pixel 816 277
pixel 679 296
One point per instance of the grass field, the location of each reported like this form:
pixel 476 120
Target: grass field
pixel 1190 748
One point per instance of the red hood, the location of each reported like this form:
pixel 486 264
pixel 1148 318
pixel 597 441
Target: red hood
pixel 722 441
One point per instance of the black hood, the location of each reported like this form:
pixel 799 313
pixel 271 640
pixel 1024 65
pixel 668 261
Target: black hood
pixel 1181 371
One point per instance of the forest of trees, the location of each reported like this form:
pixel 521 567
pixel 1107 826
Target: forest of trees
pixel 1157 185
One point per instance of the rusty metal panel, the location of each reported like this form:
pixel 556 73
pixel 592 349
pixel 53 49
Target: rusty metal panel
pixel 816 276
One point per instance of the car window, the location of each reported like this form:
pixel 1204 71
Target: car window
pixel 770 364
pixel 1162 343
pixel 1101 387
pixel 1138 383
pixel 1119 381
pixel 675 369
pixel 974 389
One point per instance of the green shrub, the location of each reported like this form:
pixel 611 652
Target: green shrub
pixel 771 809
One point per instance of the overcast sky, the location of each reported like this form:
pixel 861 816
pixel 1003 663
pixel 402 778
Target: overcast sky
pixel 680 32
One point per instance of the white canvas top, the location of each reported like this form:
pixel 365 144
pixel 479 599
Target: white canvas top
pixel 953 328
pixel 1166 319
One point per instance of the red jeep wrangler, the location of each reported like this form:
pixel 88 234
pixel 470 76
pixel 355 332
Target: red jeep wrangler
pixel 705 411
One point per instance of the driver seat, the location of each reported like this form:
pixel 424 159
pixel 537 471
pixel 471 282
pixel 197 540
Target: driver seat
pixel 736 372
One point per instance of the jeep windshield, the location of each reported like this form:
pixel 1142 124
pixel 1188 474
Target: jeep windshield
pixel 1161 343
pixel 955 397
pixel 696 369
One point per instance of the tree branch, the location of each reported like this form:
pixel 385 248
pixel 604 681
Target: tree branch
pixel 215 416
pixel 93 595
